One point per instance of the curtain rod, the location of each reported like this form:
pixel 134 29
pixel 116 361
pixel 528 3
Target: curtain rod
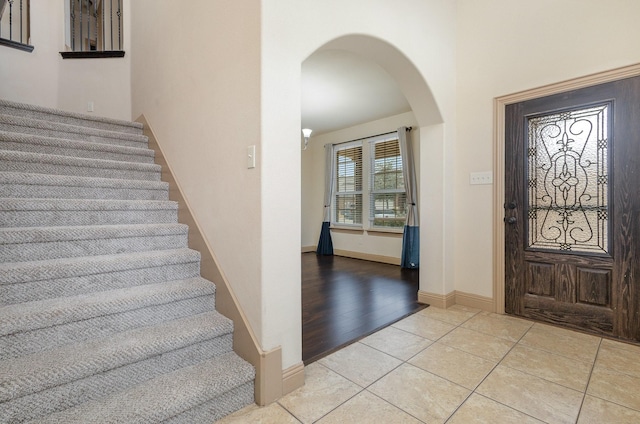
pixel 370 136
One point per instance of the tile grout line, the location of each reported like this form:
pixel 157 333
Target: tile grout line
pixel 586 389
pixel 362 389
pixel 333 409
pixel 527 372
pixel 602 339
pixel 288 412
pixel 471 392
pixel 557 353
pixel 413 356
pixel 395 406
pixel 402 362
pixel 486 376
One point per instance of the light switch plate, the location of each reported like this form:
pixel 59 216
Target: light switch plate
pixel 481 178
pixel 251 156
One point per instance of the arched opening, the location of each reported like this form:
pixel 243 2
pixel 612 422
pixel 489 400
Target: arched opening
pixel 340 106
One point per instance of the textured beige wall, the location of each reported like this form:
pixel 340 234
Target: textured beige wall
pixel 196 77
pixel 43 78
pixel 506 46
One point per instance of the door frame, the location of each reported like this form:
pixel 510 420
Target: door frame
pixel 499 104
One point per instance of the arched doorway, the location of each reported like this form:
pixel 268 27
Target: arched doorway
pixel 337 123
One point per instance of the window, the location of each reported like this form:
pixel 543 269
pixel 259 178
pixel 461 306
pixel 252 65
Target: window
pixel 348 189
pixel 382 196
pixel 14 24
pixel 93 29
pixel 388 197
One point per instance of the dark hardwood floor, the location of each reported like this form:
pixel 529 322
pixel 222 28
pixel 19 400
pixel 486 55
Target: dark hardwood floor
pixel 344 300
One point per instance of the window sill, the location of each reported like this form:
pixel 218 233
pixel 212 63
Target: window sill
pixel 16 45
pixel 387 231
pixel 92 54
pixel 352 230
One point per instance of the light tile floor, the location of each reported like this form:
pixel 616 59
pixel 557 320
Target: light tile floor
pixel 461 365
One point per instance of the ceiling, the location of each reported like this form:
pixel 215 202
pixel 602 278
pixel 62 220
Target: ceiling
pixel 341 89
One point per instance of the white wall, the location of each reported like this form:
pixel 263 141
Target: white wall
pixel 33 77
pixel 233 79
pixel 506 46
pixel 196 77
pixel 313 170
pixel 43 78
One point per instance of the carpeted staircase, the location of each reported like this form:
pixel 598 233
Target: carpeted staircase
pixel 104 317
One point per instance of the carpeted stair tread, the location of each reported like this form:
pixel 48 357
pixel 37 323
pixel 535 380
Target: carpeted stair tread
pixel 40 163
pixel 22 272
pixel 54 129
pixel 33 373
pixel 18 244
pixel 16 204
pixel 168 396
pixel 26 343
pixel 35 315
pixel 44 113
pixel 50 234
pixel 145 270
pixel 73 148
pixel 26 212
pixel 24 185
pixel 96 386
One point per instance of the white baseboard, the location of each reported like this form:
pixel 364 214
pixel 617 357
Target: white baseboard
pixel 292 378
pixel 483 303
pixel 357 255
pixel 367 256
pixel 444 301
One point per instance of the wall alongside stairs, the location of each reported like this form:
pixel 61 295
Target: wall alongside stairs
pixel 272 381
pixel 43 78
pixel 103 314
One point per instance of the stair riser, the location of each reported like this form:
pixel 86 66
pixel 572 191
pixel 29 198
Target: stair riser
pixel 65 119
pixel 74 248
pixel 75 152
pixel 63 218
pixel 95 282
pixel 73 135
pixel 100 385
pixel 26 343
pixel 24 318
pixel 76 362
pixel 78 170
pixel 71 192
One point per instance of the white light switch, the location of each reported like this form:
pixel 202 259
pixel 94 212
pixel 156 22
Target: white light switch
pixel 481 178
pixel 251 157
pixel 90 107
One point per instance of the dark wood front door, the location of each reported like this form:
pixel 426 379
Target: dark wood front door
pixel 572 211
